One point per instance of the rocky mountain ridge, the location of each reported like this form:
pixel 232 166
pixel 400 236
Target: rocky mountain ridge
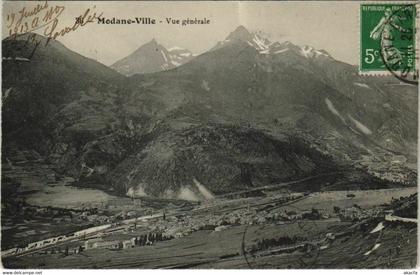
pixel 239 116
pixel 152 57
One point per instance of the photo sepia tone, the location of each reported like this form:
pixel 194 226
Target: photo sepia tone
pixel 209 135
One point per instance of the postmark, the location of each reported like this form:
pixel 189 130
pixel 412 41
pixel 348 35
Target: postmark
pixel 388 40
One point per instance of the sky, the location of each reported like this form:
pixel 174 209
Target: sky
pixel 331 26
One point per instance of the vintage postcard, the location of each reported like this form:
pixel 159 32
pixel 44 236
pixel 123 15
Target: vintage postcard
pixel 209 135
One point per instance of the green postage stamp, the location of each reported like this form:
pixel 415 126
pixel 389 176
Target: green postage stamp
pixel 387 39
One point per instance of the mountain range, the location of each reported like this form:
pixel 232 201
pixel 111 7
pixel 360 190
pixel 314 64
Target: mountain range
pixel 152 57
pixel 249 112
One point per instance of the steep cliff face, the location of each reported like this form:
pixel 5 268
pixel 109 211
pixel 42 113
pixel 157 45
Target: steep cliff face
pixel 222 158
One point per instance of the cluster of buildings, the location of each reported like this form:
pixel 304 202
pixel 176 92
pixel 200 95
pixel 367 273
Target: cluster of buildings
pixel 355 213
pixel 145 239
pixel 180 226
pixel 52 241
pixel 390 167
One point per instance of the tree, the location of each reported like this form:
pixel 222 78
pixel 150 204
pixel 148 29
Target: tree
pixel 337 209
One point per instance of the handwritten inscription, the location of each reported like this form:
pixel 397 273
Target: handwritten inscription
pixel 45 18
pixel 88 17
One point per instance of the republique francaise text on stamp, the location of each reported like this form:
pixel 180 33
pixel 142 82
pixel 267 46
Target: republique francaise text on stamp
pixel 387 40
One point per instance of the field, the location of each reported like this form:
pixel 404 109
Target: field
pixel 63 196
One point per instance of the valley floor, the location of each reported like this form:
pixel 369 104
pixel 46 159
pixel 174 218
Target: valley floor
pixel 338 229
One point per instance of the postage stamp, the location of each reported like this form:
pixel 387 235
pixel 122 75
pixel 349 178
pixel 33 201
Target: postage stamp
pixel 387 39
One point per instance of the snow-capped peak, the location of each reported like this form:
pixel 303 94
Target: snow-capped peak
pixel 241 34
pixel 179 56
pixel 261 44
pixel 176 48
pixel 311 52
pixel 152 57
pixel 266 47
